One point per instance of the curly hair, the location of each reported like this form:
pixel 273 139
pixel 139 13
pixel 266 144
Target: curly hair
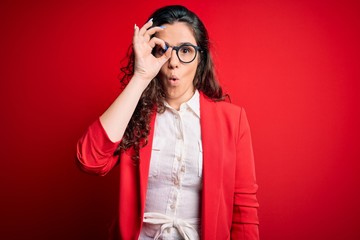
pixel 152 99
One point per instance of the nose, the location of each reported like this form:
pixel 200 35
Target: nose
pixel 174 60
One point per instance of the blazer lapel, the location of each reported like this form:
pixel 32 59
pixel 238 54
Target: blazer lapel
pixel 144 164
pixel 211 167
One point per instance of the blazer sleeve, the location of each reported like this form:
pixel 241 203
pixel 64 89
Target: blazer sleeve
pixel 245 218
pixel 95 150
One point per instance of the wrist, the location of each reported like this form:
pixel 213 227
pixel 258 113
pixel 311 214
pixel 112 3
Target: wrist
pixel 140 81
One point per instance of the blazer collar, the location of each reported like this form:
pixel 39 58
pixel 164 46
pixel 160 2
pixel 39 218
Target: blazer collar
pixel 211 166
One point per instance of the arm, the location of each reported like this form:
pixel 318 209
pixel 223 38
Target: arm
pixel 245 219
pixel 116 118
pixel 96 147
pixel 95 150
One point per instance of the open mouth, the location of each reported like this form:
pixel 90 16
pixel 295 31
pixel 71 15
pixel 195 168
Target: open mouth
pixel 173 78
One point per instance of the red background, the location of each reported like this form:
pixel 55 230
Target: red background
pixel 294 65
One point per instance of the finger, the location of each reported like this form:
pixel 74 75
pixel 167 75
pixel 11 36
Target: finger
pixel 166 56
pixel 136 29
pixel 157 41
pixel 167 53
pixel 153 30
pixel 136 32
pixel 145 27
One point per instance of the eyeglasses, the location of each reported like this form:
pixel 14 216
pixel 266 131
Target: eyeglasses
pixel 185 52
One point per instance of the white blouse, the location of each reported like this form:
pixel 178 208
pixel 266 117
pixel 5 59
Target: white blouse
pixel 172 208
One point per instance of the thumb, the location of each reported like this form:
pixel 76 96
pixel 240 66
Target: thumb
pixel 166 56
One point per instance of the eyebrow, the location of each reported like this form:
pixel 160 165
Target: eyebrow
pixel 182 43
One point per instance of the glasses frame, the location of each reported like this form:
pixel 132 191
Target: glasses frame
pixel 177 48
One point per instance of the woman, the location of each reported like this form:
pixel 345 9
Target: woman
pixel 185 155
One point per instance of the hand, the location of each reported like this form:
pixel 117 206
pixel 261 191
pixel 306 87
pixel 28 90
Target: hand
pixel 147 66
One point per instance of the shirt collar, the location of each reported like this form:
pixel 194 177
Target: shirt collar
pixel 193 104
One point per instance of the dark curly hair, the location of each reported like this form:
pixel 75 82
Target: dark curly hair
pixel 153 97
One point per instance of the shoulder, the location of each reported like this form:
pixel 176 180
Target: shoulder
pixel 228 117
pixel 228 106
pixel 223 107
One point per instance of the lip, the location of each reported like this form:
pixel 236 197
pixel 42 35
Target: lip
pixel 173 77
pixel 173 80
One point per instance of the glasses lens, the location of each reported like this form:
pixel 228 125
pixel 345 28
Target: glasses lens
pixel 187 53
pixel 158 51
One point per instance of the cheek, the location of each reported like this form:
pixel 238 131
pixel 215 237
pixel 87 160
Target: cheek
pixel 192 69
pixel 162 70
pixel 196 64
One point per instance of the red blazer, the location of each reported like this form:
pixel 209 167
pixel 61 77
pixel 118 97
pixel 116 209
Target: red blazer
pixel 229 204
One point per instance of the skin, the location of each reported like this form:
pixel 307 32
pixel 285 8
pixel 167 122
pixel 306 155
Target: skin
pixel 146 67
pixel 181 89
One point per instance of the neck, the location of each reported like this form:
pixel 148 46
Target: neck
pixel 176 102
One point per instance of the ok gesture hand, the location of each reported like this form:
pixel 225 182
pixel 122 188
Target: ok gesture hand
pixel 147 66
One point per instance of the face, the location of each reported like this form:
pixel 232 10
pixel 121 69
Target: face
pixel 177 77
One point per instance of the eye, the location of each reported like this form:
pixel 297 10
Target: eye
pixel 186 49
pixel 158 50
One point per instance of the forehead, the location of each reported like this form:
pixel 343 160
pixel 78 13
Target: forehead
pixel 177 33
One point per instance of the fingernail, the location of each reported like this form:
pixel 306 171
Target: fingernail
pixel 162 27
pixel 150 20
pixel 135 26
